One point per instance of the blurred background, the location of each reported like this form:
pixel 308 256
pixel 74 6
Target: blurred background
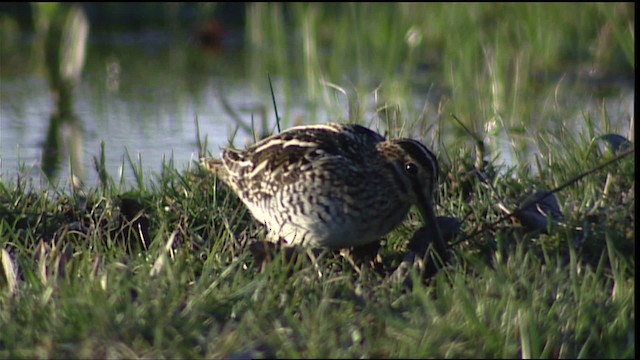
pixel 89 84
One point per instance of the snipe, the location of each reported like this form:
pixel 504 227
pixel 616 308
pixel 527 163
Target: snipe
pixel 331 185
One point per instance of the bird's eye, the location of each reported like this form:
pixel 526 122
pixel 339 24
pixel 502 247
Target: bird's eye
pixel 411 168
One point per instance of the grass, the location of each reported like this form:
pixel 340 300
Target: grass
pixel 157 271
pixel 160 268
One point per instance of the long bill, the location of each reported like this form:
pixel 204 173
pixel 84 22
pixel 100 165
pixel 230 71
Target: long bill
pixel 425 205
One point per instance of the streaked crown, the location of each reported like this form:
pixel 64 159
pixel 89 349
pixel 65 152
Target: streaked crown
pixel 414 167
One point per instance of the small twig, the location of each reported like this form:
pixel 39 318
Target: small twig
pixel 501 203
pixel 253 129
pixel 472 134
pixel 234 115
pixel 550 192
pixel 275 107
pixel 479 144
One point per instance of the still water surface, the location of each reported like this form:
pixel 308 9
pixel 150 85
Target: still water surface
pixel 136 97
pixel 142 94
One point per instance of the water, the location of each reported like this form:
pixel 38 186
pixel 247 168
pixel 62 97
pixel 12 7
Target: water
pixel 141 94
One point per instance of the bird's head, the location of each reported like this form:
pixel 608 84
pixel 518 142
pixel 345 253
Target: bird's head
pixel 414 169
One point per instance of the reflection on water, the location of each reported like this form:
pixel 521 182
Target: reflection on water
pixel 135 98
pixel 65 38
pixel 142 92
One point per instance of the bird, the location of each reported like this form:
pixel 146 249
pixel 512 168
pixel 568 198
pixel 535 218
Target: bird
pixel 331 185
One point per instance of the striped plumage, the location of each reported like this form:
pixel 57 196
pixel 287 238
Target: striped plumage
pixel 331 185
